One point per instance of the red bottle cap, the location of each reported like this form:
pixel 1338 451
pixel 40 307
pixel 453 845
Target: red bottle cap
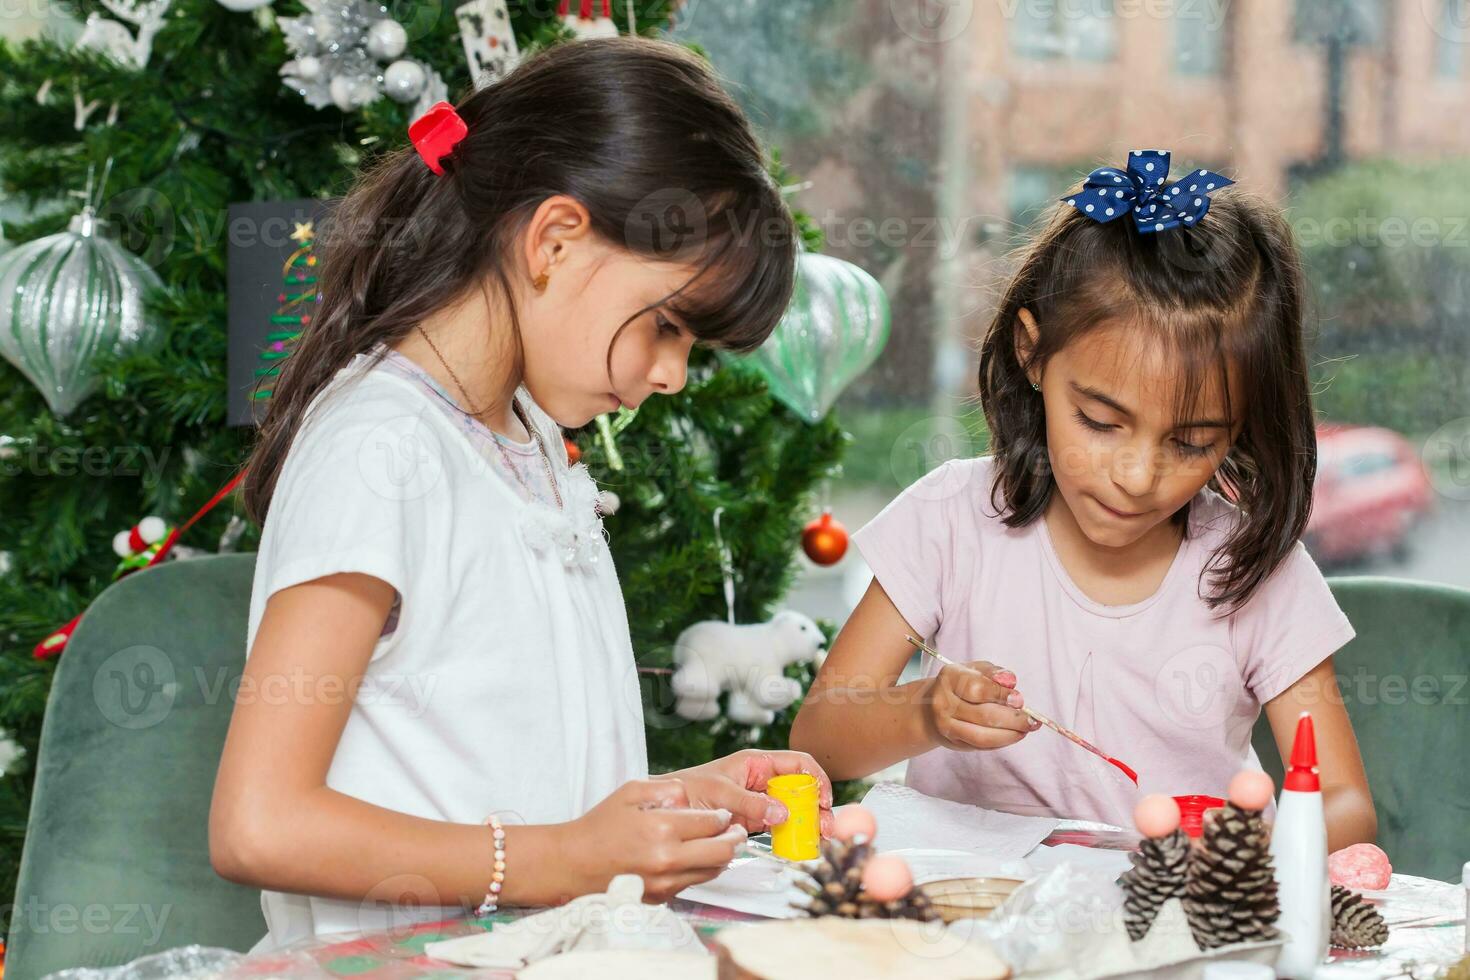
pixel 1302 776
pixel 1192 812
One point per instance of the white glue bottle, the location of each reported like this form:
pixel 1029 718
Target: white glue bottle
pixel 1299 852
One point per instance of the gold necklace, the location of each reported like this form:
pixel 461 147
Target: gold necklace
pixel 520 414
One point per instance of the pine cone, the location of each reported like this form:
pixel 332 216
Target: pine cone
pixel 836 888
pixel 1230 895
pixel 1355 923
pixel 1157 875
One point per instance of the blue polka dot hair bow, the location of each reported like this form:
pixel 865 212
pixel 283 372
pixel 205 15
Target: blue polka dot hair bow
pixel 1109 193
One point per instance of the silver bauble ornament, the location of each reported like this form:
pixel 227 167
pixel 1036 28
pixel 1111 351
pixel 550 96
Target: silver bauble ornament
pixel 308 69
pixel 64 300
pixel 404 80
pixel 386 40
pixel 241 6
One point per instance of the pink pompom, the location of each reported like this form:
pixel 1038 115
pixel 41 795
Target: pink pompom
pixel 1363 867
pixel 853 820
pixel 1156 815
pixel 1251 789
pixel 886 878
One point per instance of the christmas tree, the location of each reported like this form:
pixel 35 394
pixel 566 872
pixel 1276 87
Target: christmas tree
pixel 186 113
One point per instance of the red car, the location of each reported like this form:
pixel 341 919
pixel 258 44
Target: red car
pixel 1371 490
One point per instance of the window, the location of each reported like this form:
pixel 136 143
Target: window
pixel 1081 30
pixel 1354 22
pixel 1450 37
pixel 1199 41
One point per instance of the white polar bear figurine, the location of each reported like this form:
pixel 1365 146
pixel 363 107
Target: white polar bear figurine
pixel 749 661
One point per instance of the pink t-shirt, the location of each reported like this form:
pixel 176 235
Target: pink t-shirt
pixel 1166 684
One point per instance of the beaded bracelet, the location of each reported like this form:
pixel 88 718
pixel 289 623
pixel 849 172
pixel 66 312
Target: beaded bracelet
pixel 492 896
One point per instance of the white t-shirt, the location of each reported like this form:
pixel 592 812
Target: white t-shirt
pixel 508 684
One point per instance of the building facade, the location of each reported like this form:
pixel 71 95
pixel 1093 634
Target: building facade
pixel 1059 86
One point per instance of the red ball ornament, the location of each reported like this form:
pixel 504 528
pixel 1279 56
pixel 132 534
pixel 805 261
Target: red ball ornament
pixel 574 452
pixel 825 540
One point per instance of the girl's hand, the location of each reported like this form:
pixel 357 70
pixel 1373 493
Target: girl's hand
pixel 647 827
pixel 738 782
pixel 975 706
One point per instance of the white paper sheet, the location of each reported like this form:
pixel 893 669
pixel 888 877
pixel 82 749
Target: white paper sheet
pixel 909 819
pixel 752 885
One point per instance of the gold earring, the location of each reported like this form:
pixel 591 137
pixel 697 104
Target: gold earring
pixel 540 282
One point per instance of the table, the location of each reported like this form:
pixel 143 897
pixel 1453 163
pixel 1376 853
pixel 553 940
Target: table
pixel 1426 920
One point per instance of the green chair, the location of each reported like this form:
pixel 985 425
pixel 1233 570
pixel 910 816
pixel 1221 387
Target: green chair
pixel 116 860
pixel 1405 680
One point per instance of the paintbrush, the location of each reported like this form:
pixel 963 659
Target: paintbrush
pixel 1066 733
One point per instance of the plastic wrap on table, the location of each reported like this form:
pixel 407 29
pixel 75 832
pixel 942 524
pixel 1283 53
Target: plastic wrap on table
pixel 1053 920
pixel 198 963
pixel 1067 924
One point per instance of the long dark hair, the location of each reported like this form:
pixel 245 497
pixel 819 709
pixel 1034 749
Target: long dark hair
pixel 1226 294
pixel 639 131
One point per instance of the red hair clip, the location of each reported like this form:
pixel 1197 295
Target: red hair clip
pixel 436 133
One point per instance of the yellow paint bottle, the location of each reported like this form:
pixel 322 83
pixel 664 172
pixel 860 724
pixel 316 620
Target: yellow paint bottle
pixel 799 838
